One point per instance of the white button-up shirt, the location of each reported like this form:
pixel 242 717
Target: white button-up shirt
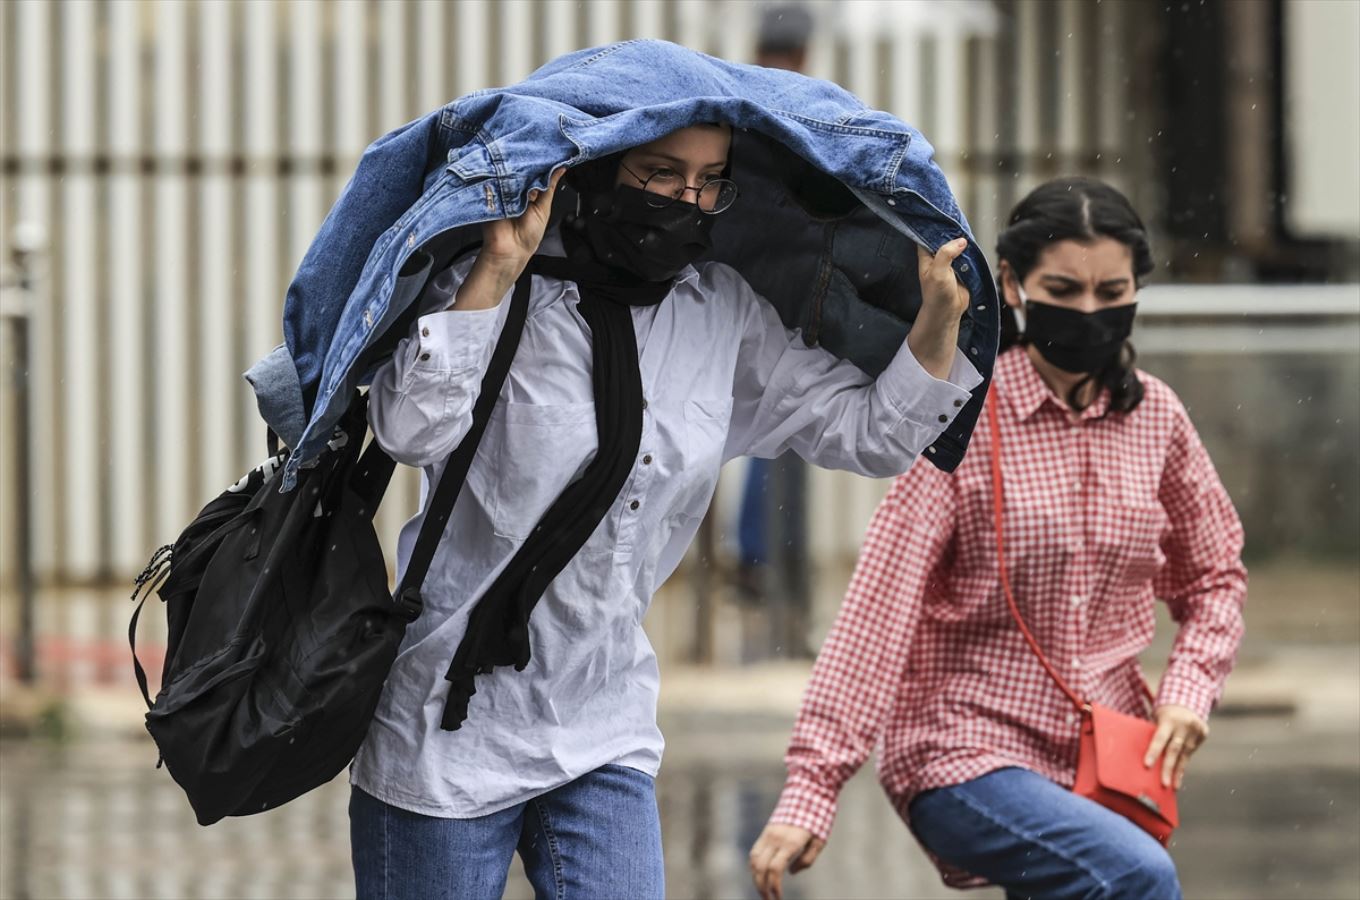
pixel 722 378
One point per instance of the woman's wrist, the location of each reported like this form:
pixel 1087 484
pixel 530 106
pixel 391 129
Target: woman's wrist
pixel 932 341
pixel 490 278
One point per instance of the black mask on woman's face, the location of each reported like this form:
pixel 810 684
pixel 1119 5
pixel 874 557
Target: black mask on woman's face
pixel 624 231
pixel 1074 341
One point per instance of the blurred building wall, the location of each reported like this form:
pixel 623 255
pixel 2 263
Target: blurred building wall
pixel 181 154
pixel 1323 72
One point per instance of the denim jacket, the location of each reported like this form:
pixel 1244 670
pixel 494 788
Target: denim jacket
pixel 835 197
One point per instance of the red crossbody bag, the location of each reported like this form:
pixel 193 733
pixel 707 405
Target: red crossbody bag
pixel 1110 767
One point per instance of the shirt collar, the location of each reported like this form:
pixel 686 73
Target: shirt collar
pixel 1027 392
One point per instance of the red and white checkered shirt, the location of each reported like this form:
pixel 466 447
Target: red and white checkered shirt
pixel 924 661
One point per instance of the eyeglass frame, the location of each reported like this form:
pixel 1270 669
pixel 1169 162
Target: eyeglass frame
pixel 670 200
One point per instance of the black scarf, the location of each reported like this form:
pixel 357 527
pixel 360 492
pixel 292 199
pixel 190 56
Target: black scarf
pixel 497 631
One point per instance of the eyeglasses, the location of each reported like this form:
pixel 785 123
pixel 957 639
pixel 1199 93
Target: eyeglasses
pixel 664 187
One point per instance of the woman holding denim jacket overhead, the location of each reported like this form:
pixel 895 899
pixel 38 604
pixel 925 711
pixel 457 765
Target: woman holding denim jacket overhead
pixel 1110 500
pixel 639 372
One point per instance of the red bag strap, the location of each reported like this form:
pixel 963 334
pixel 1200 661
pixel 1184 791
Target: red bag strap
pixel 998 496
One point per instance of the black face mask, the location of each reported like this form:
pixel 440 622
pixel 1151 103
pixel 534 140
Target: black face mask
pixel 1077 342
pixel 623 231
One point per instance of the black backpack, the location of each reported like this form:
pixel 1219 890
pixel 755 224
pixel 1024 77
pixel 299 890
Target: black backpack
pixel 281 627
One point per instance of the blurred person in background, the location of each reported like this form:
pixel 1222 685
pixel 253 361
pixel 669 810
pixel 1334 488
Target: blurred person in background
pixel 772 558
pixel 558 761
pixel 1111 501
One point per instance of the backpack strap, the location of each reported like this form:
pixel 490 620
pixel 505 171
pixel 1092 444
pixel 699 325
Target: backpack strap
pixel 152 577
pixel 440 506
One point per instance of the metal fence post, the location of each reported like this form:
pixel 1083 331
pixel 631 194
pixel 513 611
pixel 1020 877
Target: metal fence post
pixel 26 242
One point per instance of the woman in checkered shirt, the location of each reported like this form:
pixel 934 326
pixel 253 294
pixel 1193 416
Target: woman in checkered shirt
pixel 1111 501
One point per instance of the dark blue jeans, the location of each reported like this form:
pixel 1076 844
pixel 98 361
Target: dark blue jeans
pixel 596 838
pixel 1042 842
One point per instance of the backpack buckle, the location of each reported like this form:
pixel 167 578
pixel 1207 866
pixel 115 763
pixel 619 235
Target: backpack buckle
pixel 409 604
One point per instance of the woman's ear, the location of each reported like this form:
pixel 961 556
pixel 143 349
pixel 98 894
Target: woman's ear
pixel 1010 286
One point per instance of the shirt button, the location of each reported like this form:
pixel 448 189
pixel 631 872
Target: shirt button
pixel 944 418
pixel 1078 599
pixel 958 403
pixel 644 402
pixel 1076 663
pixel 634 505
pixel 647 460
pixel 424 332
pixel 424 357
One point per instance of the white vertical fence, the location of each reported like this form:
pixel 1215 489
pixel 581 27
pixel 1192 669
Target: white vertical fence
pixel 181 154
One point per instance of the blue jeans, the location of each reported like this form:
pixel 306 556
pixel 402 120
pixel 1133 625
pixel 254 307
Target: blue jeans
pixel 596 838
pixel 1042 842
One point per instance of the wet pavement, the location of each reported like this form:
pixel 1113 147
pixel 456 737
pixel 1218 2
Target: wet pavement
pixel 1272 810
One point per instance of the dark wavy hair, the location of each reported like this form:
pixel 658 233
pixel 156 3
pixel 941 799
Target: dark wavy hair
pixel 1077 209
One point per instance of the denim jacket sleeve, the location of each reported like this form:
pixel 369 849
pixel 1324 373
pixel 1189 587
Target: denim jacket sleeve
pixel 392 175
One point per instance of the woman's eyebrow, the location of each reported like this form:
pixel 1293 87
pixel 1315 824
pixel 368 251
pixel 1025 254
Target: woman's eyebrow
pixel 1076 282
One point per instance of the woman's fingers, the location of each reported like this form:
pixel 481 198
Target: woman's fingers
pixel 1180 768
pixel 769 870
pixel 1158 743
pixel 543 198
pixel 937 267
pixel 1175 747
pixel 1180 732
pixel 939 285
pixel 777 847
pixel 774 879
pixel 808 856
pixel 761 856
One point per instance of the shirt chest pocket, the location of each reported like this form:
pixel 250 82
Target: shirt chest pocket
pixel 702 437
pixel 530 453
pixel 706 425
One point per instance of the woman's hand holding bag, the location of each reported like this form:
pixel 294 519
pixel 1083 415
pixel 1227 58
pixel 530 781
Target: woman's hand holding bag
pixel 1180 732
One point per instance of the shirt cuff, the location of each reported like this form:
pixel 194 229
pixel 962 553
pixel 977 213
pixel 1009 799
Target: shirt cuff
pixel 806 804
pixel 452 340
pixel 921 397
pixel 1186 690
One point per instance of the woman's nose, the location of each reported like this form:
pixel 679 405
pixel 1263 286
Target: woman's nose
pixel 1087 302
